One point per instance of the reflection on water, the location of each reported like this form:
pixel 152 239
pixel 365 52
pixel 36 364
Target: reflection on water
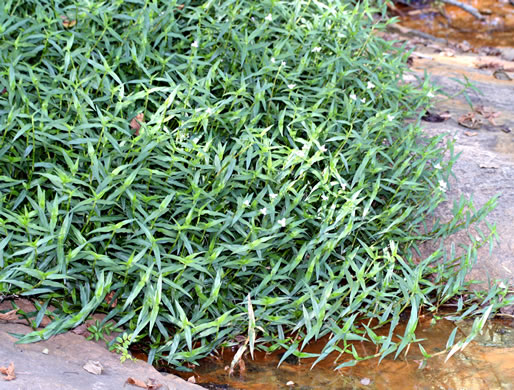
pixel 487 363
pixel 496 30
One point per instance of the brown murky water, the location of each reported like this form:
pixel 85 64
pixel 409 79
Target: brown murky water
pixel 450 22
pixel 487 363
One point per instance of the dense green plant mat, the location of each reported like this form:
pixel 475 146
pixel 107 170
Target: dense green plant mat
pixel 274 188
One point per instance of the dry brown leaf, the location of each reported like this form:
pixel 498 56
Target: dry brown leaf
pixel 488 113
pixel 470 133
pixel 94 367
pixel 135 123
pixel 152 384
pixel 470 121
pixel 136 382
pixel 108 299
pixel 8 372
pixel 488 65
pixel 9 316
pixel 180 6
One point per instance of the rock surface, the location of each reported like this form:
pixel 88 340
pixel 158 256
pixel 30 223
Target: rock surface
pixel 485 167
pixel 62 368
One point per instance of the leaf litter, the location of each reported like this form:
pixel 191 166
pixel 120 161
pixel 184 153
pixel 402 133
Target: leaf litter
pixel 8 372
pixel 151 384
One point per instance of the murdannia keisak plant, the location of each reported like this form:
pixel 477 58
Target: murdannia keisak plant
pixel 274 162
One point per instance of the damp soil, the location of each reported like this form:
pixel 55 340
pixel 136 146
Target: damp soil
pixel 455 24
pixel 486 363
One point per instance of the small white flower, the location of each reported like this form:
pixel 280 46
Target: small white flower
pixel 430 94
pixel 353 97
pixel 363 100
pixel 333 206
pixel 273 60
pixel 317 49
pixel 299 153
pixel 502 285
pixel 371 85
pixel 194 44
pixel 390 117
pixel 322 148
pixel 209 111
pixel 263 211
pixel 269 18
pixel 442 185
pixel 324 197
pixel 283 63
pixel 437 166
pixel 291 86
pixel 246 203
pixel 282 222
pixel 272 195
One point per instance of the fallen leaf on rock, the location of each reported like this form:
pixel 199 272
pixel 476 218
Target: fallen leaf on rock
pixel 9 316
pixel 470 121
pixel 8 372
pixel 135 123
pixel 93 367
pixel 45 351
pixel 365 381
pixel 501 75
pixel 136 382
pixel 445 115
pixel 432 117
pixel 470 133
pixel 152 384
pixel 488 65
pixel 488 113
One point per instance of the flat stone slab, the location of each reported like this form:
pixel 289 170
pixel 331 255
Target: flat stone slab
pixel 485 167
pixel 58 364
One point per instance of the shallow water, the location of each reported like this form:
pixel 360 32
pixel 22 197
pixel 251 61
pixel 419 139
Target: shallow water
pixel 496 30
pixel 487 363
